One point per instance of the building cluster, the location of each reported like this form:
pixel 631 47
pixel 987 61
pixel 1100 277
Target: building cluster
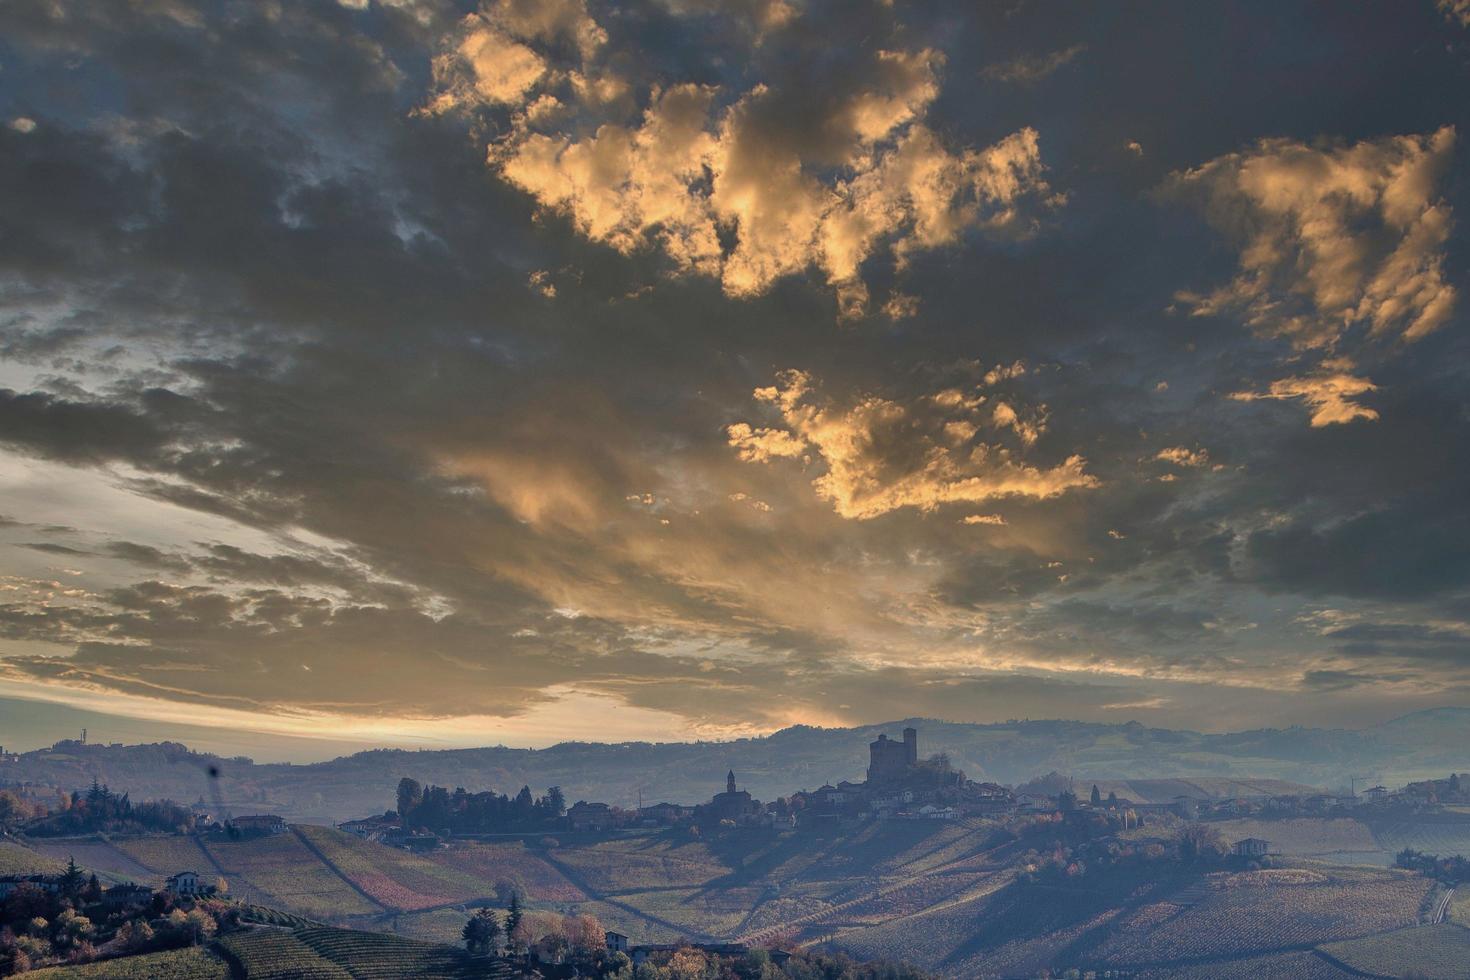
pixel 185 884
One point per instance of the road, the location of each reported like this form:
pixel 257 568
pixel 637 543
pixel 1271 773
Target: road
pixel 1442 907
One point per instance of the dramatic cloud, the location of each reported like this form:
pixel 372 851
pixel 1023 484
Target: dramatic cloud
pixel 363 363
pixel 1331 236
pixel 718 178
pixel 881 455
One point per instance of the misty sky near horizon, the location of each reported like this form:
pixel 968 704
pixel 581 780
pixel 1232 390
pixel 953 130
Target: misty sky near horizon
pixel 425 372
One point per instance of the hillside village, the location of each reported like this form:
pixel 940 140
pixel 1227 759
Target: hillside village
pixel 826 871
pixel 899 786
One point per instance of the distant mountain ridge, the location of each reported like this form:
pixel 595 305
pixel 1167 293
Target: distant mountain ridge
pixel 1428 742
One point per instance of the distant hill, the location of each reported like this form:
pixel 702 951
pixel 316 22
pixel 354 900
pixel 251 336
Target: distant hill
pixel 1416 745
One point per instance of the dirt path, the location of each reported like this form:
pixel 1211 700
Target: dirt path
pixel 1442 907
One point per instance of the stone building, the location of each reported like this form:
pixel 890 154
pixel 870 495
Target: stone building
pixel 889 760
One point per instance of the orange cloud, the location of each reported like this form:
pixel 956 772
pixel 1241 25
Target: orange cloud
pixel 881 455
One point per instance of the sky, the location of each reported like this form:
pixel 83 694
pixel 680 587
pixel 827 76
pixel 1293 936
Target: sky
pixel 419 372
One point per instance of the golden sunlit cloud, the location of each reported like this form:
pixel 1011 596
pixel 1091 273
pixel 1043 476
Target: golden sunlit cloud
pixel 1331 236
pixel 1329 393
pixel 881 455
pixel 699 159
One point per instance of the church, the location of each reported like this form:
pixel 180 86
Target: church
pixel 733 804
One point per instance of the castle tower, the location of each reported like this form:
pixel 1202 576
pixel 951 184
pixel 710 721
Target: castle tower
pixel 730 782
pixel 911 746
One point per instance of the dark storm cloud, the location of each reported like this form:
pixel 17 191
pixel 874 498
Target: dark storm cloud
pixel 247 275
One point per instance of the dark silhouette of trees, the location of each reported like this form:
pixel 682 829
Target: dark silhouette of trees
pixel 437 808
pixel 482 932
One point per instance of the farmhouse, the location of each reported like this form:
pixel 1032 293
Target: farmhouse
pixel 589 816
pixel 369 828
pixel 259 823
pixel 10 882
pixel 183 884
pixel 665 813
pixel 1251 847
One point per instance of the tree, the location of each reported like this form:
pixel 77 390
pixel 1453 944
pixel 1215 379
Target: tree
pixel 556 801
pixel 1199 842
pixel 482 932
pixel 1066 801
pixel 410 795
pixel 72 879
pixel 1096 796
pixel 1112 799
pixel 585 933
pixel 513 917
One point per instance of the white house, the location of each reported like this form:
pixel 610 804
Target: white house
pixel 185 883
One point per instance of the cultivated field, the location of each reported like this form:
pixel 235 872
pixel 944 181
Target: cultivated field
pixel 281 872
pixel 1143 925
pixel 396 879
pixel 175 964
pixel 608 869
pixel 15 859
pixel 1428 951
pixel 164 855
pixel 276 954
pixel 1445 838
pixel 1303 836
pixel 513 864
pixel 1295 965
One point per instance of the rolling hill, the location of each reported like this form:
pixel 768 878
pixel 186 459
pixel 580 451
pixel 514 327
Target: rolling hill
pixel 1426 743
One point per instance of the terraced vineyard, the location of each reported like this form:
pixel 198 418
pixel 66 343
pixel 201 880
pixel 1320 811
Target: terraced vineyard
pixel 1295 965
pixel 375 956
pixel 278 954
pixel 511 863
pixel 435 926
pixel 699 911
pixel 396 879
pixel 1239 917
pixel 613 869
pixel 164 856
pixel 279 871
pixel 194 963
pixel 1150 925
pixel 1429 951
pixel 15 859
pixel 100 856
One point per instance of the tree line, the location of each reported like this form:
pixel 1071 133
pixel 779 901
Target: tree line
pixel 438 808
pixel 100 809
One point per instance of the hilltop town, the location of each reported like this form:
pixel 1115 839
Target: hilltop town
pixel 916 861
